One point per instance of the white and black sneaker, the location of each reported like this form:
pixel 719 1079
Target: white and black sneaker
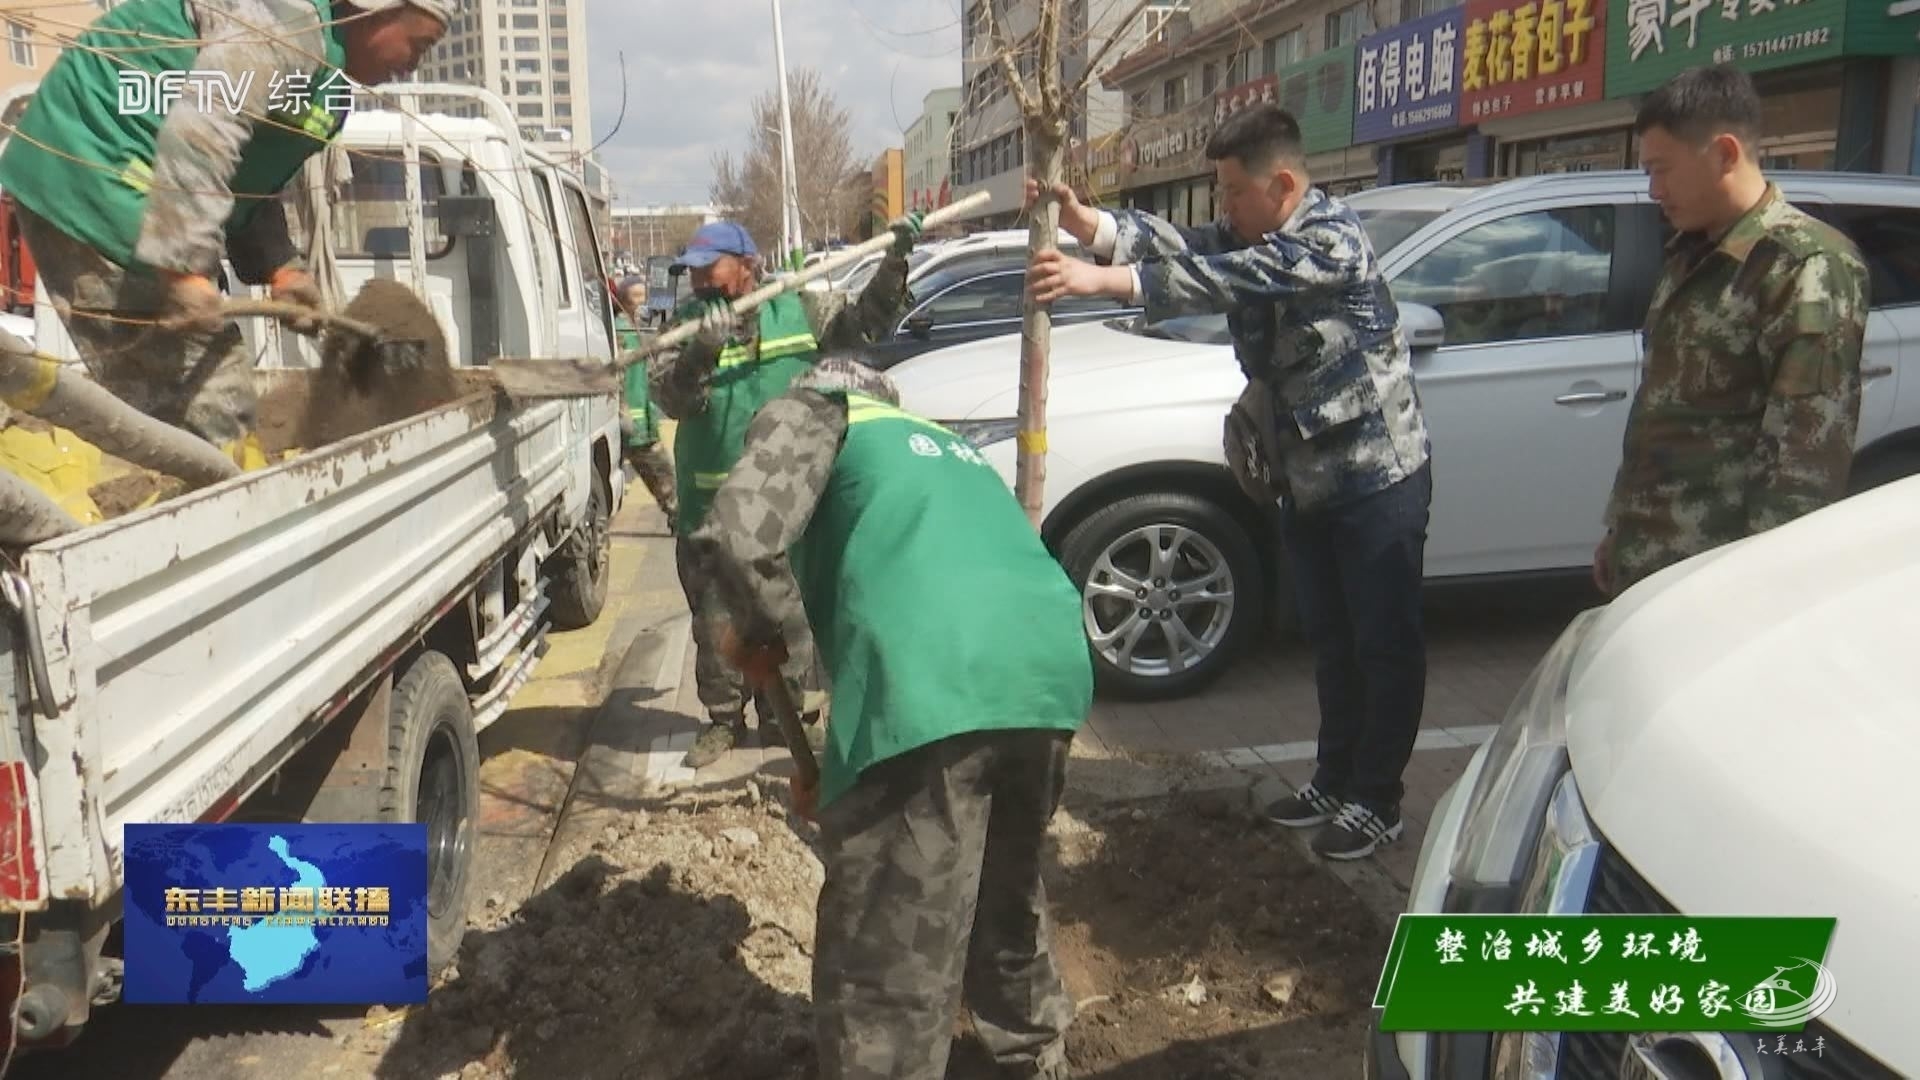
pixel 1357 831
pixel 1306 808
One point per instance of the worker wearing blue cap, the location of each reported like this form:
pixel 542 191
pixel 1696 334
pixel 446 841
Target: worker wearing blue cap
pixel 714 384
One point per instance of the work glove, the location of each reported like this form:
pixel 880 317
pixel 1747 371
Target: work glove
pixel 194 303
pixel 295 286
pixel 906 232
pixel 718 324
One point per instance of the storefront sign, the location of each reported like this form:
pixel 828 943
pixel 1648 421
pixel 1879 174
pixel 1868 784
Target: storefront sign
pixel 1169 147
pixel 1524 56
pixel 1650 41
pixel 1407 78
pixel 1319 94
pixel 1262 91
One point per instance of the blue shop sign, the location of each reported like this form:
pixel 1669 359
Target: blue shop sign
pixel 1407 78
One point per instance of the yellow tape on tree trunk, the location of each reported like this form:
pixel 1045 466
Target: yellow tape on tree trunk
pixel 35 394
pixel 1033 442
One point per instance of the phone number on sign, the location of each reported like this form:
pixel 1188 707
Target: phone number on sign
pixel 1806 39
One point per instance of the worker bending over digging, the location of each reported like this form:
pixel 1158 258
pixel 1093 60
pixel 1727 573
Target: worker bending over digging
pixel 953 644
pixel 713 385
pixel 128 210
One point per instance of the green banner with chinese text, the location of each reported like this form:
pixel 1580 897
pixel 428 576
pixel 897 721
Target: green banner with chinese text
pixel 1319 94
pixel 1650 41
pixel 1604 973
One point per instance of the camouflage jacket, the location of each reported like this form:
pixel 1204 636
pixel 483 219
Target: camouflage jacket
pixel 677 378
pixel 1313 321
pixel 769 498
pixel 1750 395
pixel 268 42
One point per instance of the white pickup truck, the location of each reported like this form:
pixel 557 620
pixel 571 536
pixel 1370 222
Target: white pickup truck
pixel 324 637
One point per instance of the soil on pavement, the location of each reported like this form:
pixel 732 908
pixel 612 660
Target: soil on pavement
pixel 679 947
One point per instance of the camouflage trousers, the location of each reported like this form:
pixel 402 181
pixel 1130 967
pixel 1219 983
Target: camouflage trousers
pixel 933 899
pixel 199 381
pixel 655 469
pixel 723 692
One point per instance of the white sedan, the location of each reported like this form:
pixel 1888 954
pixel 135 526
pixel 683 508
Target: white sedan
pixel 1522 302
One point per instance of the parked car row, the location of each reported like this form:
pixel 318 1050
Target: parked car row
pixel 1523 301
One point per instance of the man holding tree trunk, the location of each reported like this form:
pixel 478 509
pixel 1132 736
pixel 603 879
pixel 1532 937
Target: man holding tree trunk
pixel 1330 427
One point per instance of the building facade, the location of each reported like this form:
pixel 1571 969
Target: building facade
pixel 533 53
pixel 1492 88
pixel 929 150
pixel 889 188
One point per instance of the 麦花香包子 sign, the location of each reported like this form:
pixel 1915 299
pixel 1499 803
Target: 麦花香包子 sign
pixel 1650 41
pixel 1524 56
pixel 1407 78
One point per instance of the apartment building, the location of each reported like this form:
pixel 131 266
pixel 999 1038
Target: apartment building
pixel 928 146
pixel 533 53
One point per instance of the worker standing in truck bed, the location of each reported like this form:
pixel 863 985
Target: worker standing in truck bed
pixel 129 207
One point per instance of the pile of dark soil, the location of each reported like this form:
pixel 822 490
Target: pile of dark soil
pixel 356 390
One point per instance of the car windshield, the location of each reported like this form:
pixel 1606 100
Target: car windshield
pixel 1196 329
pixel 1386 228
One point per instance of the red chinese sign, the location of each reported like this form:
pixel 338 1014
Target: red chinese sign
pixel 1232 100
pixel 1525 56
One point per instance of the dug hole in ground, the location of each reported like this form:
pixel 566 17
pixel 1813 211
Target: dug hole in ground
pixel 677 944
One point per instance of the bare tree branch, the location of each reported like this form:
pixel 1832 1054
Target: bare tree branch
pixel 823 156
pixel 1113 39
pixel 1048 65
pixel 1004 50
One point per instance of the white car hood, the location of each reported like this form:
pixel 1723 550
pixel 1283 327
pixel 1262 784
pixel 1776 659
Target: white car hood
pixel 1744 730
pixel 979 379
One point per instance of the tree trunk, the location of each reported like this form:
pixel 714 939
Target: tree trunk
pixel 1046 148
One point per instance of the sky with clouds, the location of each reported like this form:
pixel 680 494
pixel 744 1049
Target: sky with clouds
pixel 694 68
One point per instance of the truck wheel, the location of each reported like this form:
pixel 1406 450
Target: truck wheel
pixel 1170 589
pixel 433 778
pixel 580 578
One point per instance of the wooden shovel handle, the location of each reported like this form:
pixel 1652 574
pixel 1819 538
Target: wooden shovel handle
pixel 280 309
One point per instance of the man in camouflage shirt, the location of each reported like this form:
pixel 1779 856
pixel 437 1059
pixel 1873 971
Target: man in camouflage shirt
pixel 1330 424
pixel 128 211
pixel 960 673
pixel 714 384
pixel 1750 397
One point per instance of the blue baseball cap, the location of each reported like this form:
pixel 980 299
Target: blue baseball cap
pixel 712 242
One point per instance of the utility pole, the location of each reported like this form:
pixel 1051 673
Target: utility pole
pixel 790 240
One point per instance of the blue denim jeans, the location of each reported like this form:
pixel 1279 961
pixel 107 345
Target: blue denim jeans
pixel 1357 569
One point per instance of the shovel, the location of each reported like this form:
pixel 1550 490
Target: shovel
pixel 378 348
pixel 527 379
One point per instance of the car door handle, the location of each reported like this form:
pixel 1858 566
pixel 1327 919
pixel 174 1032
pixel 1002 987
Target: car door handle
pixel 1592 397
pixel 1880 372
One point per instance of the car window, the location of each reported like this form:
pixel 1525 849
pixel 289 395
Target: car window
pixel 1889 240
pixel 1386 228
pixel 995 296
pixel 1198 329
pixel 1527 276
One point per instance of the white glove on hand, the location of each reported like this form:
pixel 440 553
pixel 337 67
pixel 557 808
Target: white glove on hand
pixel 718 324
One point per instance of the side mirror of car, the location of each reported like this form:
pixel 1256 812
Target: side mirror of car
pixel 1424 327
pixel 920 326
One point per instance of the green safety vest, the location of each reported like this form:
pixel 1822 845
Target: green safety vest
pixel 705 447
pixel 935 607
pixel 101 198
pixel 646 427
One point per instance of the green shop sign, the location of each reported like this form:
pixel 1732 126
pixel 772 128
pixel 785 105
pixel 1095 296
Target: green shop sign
pixel 1319 94
pixel 1650 41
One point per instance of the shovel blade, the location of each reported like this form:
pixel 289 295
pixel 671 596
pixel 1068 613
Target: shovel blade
pixel 527 379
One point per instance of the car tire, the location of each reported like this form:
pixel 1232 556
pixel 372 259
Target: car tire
pixel 585 562
pixel 432 755
pixel 1207 547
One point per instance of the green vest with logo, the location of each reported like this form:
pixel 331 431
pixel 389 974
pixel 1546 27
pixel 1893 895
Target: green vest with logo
pixel 749 374
pixel 101 198
pixel 936 609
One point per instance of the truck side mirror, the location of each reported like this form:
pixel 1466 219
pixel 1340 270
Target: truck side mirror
pixel 1424 327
